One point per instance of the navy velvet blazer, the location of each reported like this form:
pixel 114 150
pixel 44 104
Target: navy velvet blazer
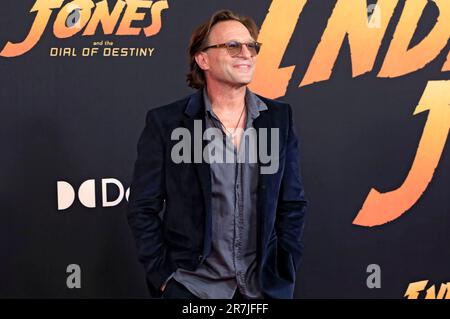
pixel 169 209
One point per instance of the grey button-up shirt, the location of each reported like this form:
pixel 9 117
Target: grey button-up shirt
pixel 232 263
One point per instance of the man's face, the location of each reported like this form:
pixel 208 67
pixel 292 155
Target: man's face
pixel 219 65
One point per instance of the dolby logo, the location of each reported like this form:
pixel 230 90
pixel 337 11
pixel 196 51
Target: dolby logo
pixel 87 193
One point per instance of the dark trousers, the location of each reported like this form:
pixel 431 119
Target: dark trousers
pixel 175 290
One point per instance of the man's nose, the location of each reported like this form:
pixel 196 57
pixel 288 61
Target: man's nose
pixel 245 52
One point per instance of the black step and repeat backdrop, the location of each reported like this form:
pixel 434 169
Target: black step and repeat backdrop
pixel 369 85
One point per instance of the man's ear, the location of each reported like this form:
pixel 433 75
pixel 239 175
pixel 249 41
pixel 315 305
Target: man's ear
pixel 202 60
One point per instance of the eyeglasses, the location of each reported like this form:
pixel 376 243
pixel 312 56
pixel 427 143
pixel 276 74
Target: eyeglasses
pixel 235 48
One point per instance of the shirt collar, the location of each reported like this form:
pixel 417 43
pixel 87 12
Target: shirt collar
pixel 253 102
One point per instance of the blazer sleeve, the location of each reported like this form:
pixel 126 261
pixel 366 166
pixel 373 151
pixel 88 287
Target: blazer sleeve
pixel 146 201
pixel 292 203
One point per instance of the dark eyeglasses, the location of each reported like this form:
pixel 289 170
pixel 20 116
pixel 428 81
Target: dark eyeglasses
pixel 235 48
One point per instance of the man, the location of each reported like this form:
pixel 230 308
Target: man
pixel 229 229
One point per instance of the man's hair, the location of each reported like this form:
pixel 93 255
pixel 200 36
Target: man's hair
pixel 196 77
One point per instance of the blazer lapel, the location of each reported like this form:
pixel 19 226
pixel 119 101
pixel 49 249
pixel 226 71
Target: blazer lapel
pixel 263 121
pixel 195 110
